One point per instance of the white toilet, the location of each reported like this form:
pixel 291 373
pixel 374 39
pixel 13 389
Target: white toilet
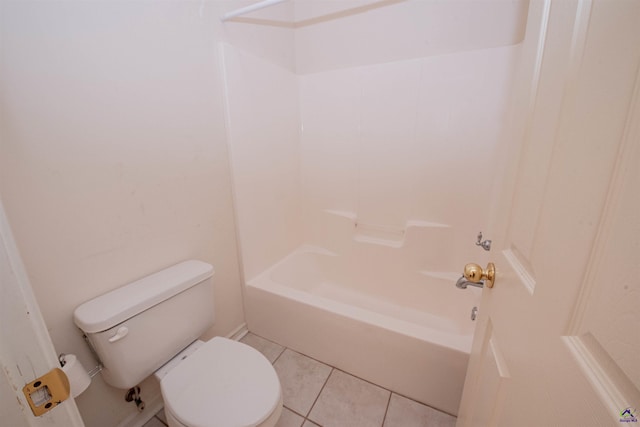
pixel 152 326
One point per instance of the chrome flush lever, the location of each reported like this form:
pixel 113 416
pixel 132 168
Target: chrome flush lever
pixel 486 245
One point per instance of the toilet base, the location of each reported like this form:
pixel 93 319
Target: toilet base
pixel 269 422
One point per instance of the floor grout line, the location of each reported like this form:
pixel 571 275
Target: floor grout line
pixel 159 419
pixel 306 355
pixel 333 369
pixel 324 363
pixel 361 379
pixel 320 392
pixel 281 353
pixel 386 411
pixel 295 412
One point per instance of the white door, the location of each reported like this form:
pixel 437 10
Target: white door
pixel 558 338
pixel 26 351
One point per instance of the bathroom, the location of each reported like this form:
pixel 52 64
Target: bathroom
pixel 152 131
pixel 139 134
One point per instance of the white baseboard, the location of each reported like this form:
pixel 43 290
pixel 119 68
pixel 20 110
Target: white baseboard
pixel 238 332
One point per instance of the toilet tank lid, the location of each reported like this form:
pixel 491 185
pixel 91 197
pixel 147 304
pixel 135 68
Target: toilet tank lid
pixel 112 308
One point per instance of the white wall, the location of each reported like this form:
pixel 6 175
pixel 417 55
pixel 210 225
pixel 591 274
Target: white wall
pixel 406 140
pixel 402 117
pixel 266 33
pixel 264 133
pixel 401 106
pixel 264 140
pixel 333 34
pixel 113 158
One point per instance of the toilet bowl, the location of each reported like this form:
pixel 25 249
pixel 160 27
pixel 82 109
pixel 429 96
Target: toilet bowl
pixel 222 383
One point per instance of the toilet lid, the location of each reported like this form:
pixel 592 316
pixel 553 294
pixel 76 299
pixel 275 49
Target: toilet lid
pixel 224 383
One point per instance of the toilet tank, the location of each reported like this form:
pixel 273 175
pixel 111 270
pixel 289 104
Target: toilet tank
pixel 138 327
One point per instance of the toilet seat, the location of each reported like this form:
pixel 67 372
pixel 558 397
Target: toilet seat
pixel 224 383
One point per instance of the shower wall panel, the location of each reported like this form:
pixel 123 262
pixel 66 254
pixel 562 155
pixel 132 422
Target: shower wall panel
pixel 407 140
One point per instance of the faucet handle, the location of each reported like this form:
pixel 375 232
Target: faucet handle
pixel 486 245
pixel 474 273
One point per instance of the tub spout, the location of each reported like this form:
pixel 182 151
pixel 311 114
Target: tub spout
pixel 462 283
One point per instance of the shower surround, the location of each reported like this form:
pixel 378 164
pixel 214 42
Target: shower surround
pixel 361 174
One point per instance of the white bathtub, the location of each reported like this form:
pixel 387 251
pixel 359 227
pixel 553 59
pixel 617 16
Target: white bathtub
pixel 364 312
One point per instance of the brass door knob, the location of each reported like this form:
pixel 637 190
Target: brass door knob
pixel 474 273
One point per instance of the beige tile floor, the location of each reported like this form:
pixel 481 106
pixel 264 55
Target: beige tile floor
pixel 316 394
